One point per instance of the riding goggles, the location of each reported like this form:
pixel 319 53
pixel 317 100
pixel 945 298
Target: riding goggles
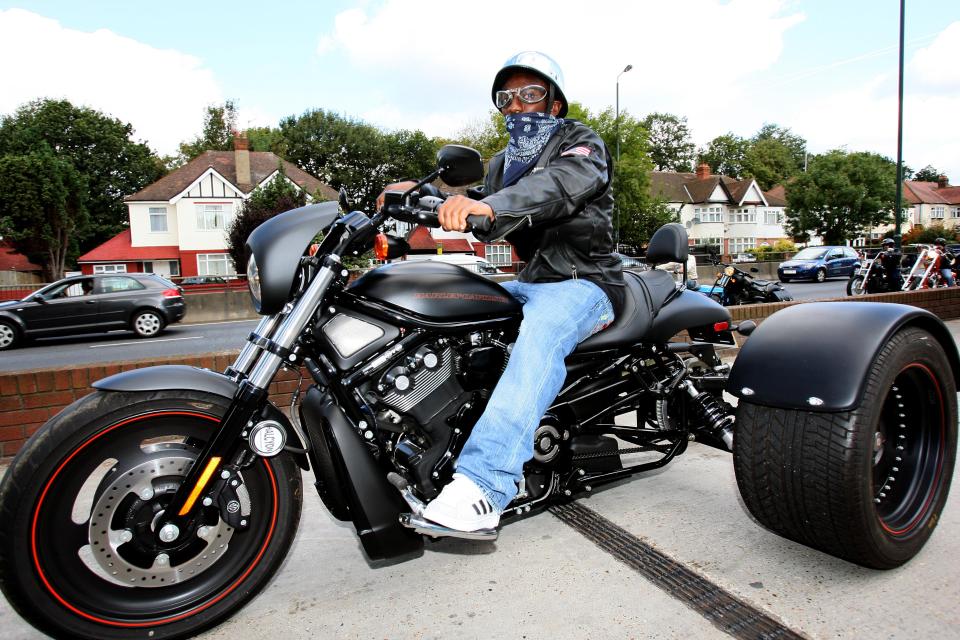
pixel 530 94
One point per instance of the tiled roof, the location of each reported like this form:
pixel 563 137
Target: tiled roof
pixel 421 241
pixel 10 260
pixel 262 164
pixel 777 196
pixel 118 248
pixel 930 193
pixel 689 189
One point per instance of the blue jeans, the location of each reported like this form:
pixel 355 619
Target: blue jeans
pixel 557 316
pixel 947 276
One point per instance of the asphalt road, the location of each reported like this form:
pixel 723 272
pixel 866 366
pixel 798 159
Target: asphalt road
pixel 187 339
pixel 178 339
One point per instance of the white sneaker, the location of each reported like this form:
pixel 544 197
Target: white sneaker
pixel 461 505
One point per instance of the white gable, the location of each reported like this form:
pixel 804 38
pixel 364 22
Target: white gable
pixel 718 195
pixel 753 194
pixel 209 185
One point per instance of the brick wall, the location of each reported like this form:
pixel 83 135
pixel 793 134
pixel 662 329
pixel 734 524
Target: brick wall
pixel 29 399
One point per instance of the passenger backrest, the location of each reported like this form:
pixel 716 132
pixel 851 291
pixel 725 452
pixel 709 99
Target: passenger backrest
pixel 668 244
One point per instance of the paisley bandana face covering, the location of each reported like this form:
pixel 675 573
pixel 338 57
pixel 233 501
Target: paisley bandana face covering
pixel 529 134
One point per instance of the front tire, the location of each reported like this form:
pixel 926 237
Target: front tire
pixel 821 275
pixel 866 485
pixel 77 506
pixel 10 336
pixel 856 286
pixel 148 323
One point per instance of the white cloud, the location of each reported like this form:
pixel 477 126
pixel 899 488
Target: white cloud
pixel 935 67
pixel 126 79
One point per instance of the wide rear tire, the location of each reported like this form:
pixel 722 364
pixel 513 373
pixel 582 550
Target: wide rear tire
pixel 78 554
pixel 866 485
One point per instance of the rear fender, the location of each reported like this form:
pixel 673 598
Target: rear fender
pixel 816 356
pixel 178 377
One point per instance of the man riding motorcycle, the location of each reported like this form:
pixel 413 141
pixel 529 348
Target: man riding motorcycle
pixel 550 194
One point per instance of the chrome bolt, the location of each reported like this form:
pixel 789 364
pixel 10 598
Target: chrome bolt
pixel 895 469
pixel 899 448
pixel 518 511
pixel 434 475
pixel 588 488
pixel 890 479
pixel 883 495
pixel 203 532
pixel 169 533
pixel 331 310
pixel 162 560
pixel 243 523
pixel 457 431
pixel 234 483
pixel 224 474
pixel 898 459
pixel 876 499
pixel 207 501
pixel 344 273
pixel 368 435
pixel 125 536
pixel 567 492
pixel 362 424
pixel 146 494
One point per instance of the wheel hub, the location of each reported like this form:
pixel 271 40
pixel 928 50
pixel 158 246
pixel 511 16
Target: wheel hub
pixel 122 530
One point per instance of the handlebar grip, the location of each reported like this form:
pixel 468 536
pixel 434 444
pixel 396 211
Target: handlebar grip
pixel 482 224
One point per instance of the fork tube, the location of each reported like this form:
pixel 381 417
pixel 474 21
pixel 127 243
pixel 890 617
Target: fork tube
pixel 248 354
pixel 293 324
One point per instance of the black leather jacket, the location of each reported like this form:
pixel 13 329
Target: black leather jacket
pixel 558 215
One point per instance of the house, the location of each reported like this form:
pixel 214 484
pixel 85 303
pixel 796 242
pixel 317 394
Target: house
pixel 178 224
pixel 500 254
pixel 735 215
pixel 16 268
pixel 932 203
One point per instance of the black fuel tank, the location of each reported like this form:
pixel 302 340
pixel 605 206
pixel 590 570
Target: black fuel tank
pixel 436 290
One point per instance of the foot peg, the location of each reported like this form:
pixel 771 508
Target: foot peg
pixel 418 523
pixel 421 525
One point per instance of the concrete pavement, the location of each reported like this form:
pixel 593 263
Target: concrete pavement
pixel 542 579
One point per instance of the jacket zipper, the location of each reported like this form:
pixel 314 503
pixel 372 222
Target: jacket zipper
pixel 527 219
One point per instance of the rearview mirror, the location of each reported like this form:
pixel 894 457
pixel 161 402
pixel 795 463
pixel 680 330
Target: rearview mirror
pixel 459 165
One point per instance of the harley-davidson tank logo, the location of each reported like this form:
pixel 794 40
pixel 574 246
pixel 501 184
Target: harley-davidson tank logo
pixel 454 295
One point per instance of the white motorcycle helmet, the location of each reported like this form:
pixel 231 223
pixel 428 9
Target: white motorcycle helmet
pixel 542 65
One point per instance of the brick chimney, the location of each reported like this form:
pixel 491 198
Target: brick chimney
pixel 942 182
pixel 241 151
pixel 703 171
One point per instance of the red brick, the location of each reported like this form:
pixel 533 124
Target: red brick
pixel 44 380
pixel 30 429
pixel 83 392
pixel 50 399
pixel 11 403
pixel 10 448
pixel 22 417
pixel 79 378
pixel 207 362
pixel 285 386
pixel 110 370
pixel 11 433
pixel 27 383
pixel 61 380
pixel 8 385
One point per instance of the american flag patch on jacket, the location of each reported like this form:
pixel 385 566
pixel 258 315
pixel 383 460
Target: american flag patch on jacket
pixel 577 151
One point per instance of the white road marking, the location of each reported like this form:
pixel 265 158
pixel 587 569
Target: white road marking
pixel 207 324
pixel 144 341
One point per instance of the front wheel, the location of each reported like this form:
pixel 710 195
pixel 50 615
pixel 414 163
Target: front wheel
pixel 821 275
pixel 78 510
pixel 147 324
pixel 856 286
pixel 9 335
pixel 866 485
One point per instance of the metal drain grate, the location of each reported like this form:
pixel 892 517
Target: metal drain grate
pixel 724 610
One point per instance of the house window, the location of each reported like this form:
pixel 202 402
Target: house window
pixel 743 215
pixel 158 219
pixel 209 217
pixel 704 242
pixel 499 254
pixel 214 264
pixel 739 245
pixel 955 212
pixel 173 267
pixel 772 216
pixel 711 214
pixel 937 212
pixel 109 268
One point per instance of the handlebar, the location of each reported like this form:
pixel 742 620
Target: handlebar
pixel 425 213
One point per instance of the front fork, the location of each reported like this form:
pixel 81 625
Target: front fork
pixel 218 458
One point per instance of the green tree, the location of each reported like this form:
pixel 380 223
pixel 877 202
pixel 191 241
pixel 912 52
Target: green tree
pixel 355 155
pixel 770 162
pixel 796 145
pixel 488 135
pixel 267 139
pixel 265 202
pixel 219 125
pixel 842 194
pixel 42 206
pixel 927 174
pixel 726 155
pixel 99 148
pixel 927 235
pixel 671 148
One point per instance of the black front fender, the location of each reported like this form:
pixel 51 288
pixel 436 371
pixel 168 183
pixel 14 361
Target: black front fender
pixel 816 356
pixel 181 377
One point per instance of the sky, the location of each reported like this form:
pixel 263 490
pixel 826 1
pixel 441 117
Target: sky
pixel 826 69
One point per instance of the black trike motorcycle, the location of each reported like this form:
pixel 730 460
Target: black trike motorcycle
pixel 160 504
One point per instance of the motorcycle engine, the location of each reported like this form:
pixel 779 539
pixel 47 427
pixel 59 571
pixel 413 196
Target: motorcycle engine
pixel 429 398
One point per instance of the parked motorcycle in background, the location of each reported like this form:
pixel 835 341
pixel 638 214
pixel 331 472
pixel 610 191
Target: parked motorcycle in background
pixel 874 274
pixel 925 271
pixel 735 286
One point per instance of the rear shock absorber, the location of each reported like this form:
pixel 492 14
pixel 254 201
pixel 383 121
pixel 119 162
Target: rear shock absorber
pixel 718 421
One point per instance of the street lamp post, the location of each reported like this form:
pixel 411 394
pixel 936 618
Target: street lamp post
pixel 616 126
